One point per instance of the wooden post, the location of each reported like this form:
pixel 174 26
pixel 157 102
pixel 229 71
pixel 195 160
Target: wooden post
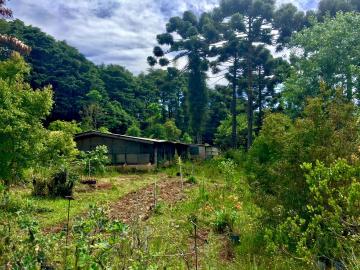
pixel 70 198
pixel 155 200
pixel 195 244
pixel 155 155
pixel 181 174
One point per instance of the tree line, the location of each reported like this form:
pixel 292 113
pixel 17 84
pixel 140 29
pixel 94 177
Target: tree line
pixel 297 118
pixel 228 44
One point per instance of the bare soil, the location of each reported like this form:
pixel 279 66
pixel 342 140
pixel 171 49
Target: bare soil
pixel 139 205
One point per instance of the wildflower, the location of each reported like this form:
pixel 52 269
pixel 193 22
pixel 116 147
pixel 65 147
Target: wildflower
pixel 238 206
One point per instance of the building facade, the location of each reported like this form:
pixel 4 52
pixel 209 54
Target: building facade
pixel 132 150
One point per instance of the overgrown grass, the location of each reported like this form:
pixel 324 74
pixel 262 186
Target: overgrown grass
pixel 52 211
pixel 219 203
pixel 211 201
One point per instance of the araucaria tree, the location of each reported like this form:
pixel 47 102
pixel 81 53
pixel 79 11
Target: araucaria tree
pixel 229 54
pixel 246 26
pixel 183 39
pixel 254 26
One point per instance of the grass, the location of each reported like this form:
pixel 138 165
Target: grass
pixel 52 211
pixel 172 231
pixel 169 232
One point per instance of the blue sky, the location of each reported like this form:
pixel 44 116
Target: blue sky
pixel 112 31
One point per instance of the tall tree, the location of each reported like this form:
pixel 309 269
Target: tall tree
pixel 254 26
pixel 331 7
pixel 219 108
pixel 287 20
pixel 183 39
pixel 230 53
pixel 269 72
pixel 329 53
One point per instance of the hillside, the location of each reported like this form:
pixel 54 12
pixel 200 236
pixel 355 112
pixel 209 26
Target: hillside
pixel 279 190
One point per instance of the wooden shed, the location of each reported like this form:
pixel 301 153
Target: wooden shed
pixel 203 151
pixel 198 151
pixel 211 151
pixel 131 150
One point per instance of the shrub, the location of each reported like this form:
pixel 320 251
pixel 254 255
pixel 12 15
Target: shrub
pixel 62 183
pixel 191 180
pixel 40 186
pixel 22 246
pixel 224 221
pixel 328 130
pixel 330 226
pixel 97 158
pixel 56 184
pixel 227 167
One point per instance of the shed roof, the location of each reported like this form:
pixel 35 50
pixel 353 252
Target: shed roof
pixel 124 137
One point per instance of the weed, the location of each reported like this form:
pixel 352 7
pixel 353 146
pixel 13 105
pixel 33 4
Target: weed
pixel 191 180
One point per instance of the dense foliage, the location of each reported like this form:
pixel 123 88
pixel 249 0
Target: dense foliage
pixel 293 124
pixel 22 110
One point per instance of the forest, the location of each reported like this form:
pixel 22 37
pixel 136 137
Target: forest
pixel 275 88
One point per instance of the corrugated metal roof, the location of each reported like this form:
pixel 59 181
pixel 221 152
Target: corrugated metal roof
pixel 126 137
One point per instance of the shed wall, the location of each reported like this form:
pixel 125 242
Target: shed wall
pixel 120 151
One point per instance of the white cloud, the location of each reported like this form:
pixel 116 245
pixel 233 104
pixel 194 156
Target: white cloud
pixel 109 31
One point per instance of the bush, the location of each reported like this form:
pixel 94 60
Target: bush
pixel 330 227
pixel 22 246
pixel 40 186
pixel 224 221
pixel 191 180
pixel 327 131
pixel 58 184
pixel 98 159
pixel 62 183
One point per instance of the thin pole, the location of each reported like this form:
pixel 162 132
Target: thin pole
pixel 196 249
pixel 70 198
pixel 181 175
pixel 155 194
pixel 67 232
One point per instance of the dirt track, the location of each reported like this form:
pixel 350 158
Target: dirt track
pixel 139 204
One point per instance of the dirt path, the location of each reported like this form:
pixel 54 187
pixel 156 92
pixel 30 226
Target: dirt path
pixel 139 204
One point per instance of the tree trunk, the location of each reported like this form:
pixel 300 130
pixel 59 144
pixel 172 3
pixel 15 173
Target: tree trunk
pixel 349 86
pixel 233 107
pixel 259 122
pixel 250 110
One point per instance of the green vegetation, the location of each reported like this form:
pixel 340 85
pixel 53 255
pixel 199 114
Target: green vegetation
pixel 284 193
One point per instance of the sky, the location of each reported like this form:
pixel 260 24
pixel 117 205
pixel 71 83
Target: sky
pixel 112 31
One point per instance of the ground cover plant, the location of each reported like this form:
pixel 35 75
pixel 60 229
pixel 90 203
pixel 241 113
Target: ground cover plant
pixel 284 192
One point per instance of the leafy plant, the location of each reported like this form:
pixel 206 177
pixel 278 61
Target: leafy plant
pixel 95 161
pixel 191 180
pixel 224 221
pixel 62 183
pixel 329 229
pixel 227 167
pixel 22 246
